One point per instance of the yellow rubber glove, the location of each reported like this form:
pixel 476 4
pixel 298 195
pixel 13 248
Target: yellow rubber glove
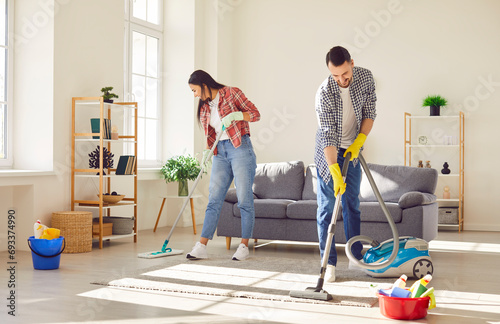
pixel 356 146
pixel 235 116
pixel 338 182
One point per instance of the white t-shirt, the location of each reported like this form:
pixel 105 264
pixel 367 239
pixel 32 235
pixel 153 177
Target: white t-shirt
pixel 349 125
pixel 215 120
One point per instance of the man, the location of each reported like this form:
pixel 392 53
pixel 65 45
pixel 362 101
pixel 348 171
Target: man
pixel 345 108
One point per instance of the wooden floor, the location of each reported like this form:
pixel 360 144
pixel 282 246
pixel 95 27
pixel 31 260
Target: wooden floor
pixel 466 276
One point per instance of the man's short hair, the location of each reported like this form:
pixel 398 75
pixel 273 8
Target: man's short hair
pixel 338 55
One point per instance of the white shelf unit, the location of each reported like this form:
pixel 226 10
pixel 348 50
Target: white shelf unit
pixel 97 108
pixel 457 124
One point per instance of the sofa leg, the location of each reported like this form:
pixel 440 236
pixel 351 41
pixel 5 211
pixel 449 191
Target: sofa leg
pixel 254 241
pixel 228 242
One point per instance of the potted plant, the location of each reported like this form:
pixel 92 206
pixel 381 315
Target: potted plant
pixel 107 95
pixel 181 169
pixel 435 102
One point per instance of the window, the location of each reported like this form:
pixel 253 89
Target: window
pixel 6 51
pixel 144 34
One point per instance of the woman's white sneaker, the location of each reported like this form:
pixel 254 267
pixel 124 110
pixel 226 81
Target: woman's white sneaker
pixel 241 253
pixel 199 252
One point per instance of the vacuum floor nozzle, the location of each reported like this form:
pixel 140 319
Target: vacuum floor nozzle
pixel 311 293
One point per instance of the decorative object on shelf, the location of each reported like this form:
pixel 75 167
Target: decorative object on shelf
pixel 107 159
pixel 107 95
pixel 446 192
pixel 181 169
pixel 114 132
pixel 420 164
pixel 435 102
pixel 445 169
pixel 422 140
pixel 112 198
pixel 428 164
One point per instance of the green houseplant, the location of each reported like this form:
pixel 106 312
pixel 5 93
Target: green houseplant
pixel 434 102
pixel 181 169
pixel 107 95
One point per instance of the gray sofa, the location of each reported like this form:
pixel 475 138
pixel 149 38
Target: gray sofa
pixel 285 204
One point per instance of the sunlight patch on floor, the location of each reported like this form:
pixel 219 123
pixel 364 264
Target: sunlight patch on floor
pixel 454 246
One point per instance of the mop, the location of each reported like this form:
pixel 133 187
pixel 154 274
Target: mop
pixel 318 292
pixel 169 251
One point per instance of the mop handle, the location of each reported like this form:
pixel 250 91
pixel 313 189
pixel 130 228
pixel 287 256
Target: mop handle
pixel 195 184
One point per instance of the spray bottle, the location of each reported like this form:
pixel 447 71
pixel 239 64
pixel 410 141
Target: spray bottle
pixel 401 282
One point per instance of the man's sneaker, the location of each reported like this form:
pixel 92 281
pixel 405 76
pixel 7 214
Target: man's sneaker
pixel 199 252
pixel 330 273
pixel 241 253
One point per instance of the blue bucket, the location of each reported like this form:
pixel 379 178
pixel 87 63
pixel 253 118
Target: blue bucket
pixel 46 254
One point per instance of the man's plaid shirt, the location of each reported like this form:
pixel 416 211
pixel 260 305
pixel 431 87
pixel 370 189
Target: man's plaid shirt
pixel 231 99
pixel 329 112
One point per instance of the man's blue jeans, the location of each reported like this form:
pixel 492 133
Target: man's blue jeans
pixel 240 164
pixel 350 209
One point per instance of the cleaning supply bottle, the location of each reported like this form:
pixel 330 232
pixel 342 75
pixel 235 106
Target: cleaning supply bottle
pixel 401 282
pixel 418 288
pixel 430 293
pixel 424 281
pixel 38 229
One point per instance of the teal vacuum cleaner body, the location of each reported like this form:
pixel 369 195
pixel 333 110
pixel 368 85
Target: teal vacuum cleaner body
pixel 412 259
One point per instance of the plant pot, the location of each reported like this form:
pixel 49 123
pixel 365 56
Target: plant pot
pixel 108 100
pixel 435 110
pixel 183 188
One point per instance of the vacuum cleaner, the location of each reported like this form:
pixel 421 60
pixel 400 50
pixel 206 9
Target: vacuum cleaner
pixel 370 264
pixel 168 251
pixel 413 258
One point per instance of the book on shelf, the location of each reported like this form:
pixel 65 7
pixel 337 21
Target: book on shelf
pixel 95 124
pixel 126 165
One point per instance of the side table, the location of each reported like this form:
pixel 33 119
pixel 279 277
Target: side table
pixel 178 197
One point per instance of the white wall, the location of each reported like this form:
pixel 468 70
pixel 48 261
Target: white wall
pixel 414 48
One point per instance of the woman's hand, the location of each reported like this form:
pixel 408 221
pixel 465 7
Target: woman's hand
pixel 235 116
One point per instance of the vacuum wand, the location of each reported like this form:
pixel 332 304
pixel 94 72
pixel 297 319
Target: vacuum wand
pixel 317 292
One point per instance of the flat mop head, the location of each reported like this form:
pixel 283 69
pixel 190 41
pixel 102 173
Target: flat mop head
pixel 159 254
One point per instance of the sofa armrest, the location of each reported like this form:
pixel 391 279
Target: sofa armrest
pixel 416 198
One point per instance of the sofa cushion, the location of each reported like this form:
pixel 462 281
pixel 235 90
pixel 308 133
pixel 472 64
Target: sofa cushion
pixel 282 180
pixel 302 209
pixel 310 183
pixel 415 198
pixel 372 212
pixel 393 181
pixel 267 208
pixel 232 197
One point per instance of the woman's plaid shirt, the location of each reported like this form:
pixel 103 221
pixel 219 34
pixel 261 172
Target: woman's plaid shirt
pixel 231 99
pixel 329 112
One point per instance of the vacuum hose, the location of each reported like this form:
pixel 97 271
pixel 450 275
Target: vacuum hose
pixel 369 240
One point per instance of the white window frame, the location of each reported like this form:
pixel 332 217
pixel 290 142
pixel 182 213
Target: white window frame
pixel 133 24
pixel 7 163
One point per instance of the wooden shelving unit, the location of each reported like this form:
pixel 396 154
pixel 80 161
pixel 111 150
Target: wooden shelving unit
pixel 429 150
pixel 96 106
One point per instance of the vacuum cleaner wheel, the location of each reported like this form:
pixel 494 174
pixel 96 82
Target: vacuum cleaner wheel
pixel 422 267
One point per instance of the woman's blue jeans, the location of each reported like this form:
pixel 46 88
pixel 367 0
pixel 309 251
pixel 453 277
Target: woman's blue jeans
pixel 350 209
pixel 240 164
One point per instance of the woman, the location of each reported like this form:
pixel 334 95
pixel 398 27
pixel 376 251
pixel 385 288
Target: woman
pixel 233 157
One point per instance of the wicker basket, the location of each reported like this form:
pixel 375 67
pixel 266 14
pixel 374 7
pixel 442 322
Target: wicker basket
pixel 76 227
pixel 121 225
